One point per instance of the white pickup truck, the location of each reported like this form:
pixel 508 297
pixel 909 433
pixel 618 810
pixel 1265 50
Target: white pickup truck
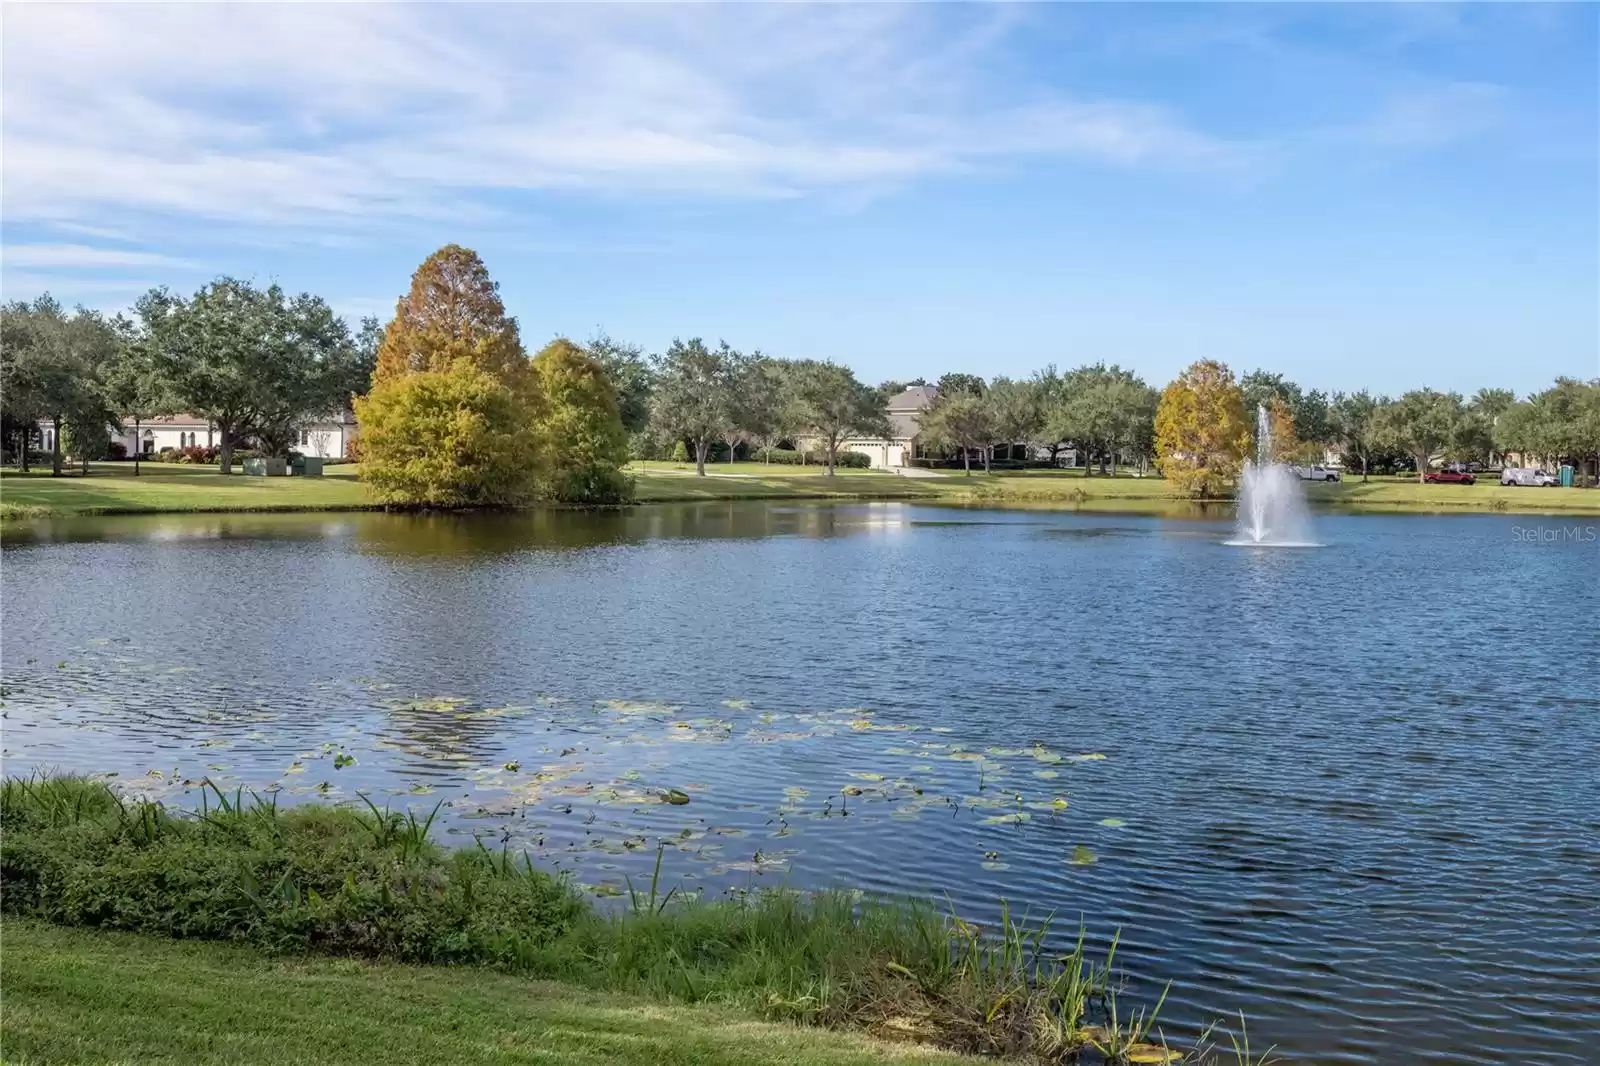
pixel 1316 473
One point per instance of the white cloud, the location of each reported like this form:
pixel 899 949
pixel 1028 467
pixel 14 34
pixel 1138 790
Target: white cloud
pixel 57 256
pixel 345 115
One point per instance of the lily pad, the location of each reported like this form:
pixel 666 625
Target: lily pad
pixel 1150 1053
pixel 1007 819
pixel 1082 856
pixel 1113 823
pixel 674 797
pixel 1046 774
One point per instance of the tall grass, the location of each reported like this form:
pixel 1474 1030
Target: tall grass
pixel 371 882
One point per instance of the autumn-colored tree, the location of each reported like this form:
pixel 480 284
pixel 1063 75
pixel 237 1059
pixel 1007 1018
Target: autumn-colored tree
pixel 1286 447
pixel 581 443
pixel 1202 434
pixel 446 438
pixel 453 311
pixel 451 418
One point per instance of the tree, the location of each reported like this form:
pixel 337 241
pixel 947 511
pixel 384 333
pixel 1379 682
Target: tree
pixel 1422 423
pixel 1049 389
pixel 52 369
pixel 958 420
pixel 452 416
pixel 579 436
pixel 29 368
pixel 1492 403
pixel 1202 434
pixel 1309 411
pixel 764 410
pixel 1354 426
pixel 368 339
pixel 446 438
pixel 137 390
pixel 452 311
pixel 1132 427
pixel 254 362
pixel 1562 422
pixel 695 394
pixel 1015 410
pixel 1102 410
pixel 953 383
pixel 1486 406
pixel 830 403
pixel 1280 427
pixel 631 377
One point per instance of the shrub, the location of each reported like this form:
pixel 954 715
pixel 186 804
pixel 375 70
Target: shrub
pixel 310 877
pixel 117 450
pixel 369 882
pixel 680 452
pixel 199 455
pixel 790 457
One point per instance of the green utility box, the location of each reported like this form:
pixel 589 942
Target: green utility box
pixel 1565 474
pixel 307 466
pixel 266 467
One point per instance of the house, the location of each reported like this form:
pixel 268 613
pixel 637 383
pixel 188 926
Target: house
pixel 900 447
pixel 327 438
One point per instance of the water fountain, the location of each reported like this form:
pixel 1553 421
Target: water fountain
pixel 1272 507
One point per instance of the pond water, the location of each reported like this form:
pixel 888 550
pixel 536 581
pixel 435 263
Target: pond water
pixel 1352 791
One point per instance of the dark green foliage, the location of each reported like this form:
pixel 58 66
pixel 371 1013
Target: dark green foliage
pixel 369 882
pixel 790 457
pixel 303 878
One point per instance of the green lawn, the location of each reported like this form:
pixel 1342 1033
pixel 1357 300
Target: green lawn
pixel 112 489
pixel 80 996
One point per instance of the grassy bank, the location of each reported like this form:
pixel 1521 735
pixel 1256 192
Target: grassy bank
pixel 74 996
pixel 370 884
pixel 112 489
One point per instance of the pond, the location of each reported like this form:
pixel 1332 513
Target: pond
pixel 1352 791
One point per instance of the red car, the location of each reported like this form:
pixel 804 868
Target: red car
pixel 1449 477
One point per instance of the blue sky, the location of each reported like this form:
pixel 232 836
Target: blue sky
pixel 1353 195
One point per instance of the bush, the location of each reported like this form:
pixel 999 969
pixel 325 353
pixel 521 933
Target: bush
pixel 680 452
pixel 311 877
pixel 789 457
pixel 370 883
pixel 117 451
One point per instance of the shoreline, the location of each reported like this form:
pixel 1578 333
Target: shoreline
pixel 370 888
pixel 110 491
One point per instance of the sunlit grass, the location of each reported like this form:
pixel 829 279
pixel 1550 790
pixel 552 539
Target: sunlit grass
pixel 368 882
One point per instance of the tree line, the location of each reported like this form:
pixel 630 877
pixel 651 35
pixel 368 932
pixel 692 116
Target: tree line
pixel 256 363
pixel 453 412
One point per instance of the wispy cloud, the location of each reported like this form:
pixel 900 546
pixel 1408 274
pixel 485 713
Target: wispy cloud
pixel 343 115
pixel 82 255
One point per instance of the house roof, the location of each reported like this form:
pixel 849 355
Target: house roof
pixel 168 420
pixel 905 409
pixel 915 398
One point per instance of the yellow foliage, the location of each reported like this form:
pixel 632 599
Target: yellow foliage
pixel 446 438
pixel 582 446
pixel 1202 433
